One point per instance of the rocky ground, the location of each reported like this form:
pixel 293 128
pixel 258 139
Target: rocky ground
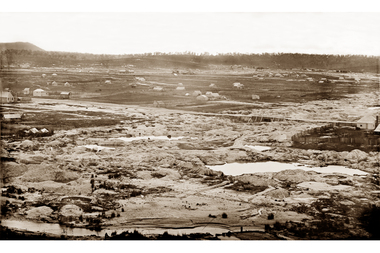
pixel 88 176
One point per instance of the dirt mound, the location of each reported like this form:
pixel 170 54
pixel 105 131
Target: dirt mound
pixel 31 159
pixel 71 211
pixel 45 172
pixel 12 169
pixel 278 193
pixel 65 176
pixel 210 160
pixel 55 144
pixel 39 212
pixel 293 176
pixel 355 155
pixel 256 180
pixel 29 145
pixel 169 174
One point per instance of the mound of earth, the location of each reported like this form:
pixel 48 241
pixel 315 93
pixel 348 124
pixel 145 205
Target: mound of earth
pixel 12 169
pixel 278 193
pixel 292 176
pixel 29 145
pixel 46 172
pixel 39 212
pixel 31 159
pixel 71 211
pixel 256 180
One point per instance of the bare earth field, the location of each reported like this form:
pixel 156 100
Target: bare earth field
pixel 114 162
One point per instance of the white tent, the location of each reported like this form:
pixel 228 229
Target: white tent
pixel 43 75
pixel 254 97
pixel 158 88
pixel 239 85
pixel 202 98
pixel 39 93
pixel 54 83
pixel 180 88
pixel 67 84
pixel 197 93
pixel 54 74
pixel 108 82
pixel 26 91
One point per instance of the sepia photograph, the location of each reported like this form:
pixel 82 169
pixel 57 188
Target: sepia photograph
pixel 189 124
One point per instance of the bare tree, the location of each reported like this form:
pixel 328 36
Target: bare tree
pixel 9 56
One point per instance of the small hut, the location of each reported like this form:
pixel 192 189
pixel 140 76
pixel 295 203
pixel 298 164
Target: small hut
pixel 367 122
pixel 6 97
pixel 65 95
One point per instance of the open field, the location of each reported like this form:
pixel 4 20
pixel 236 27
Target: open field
pixel 115 162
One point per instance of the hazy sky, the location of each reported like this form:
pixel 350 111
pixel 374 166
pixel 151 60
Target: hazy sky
pixel 213 32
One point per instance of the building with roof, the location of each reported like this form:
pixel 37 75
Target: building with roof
pixel 65 95
pixel 7 97
pixel 367 122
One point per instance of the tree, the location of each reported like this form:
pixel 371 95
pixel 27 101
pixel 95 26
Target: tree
pixel 9 56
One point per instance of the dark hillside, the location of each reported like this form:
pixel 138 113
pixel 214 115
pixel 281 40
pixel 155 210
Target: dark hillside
pixel 19 46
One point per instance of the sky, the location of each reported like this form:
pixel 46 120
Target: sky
pixel 127 30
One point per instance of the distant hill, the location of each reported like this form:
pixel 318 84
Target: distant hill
pixel 19 46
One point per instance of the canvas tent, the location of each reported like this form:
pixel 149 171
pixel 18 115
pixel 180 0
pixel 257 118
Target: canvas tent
pixel 202 98
pixel 158 88
pixel 197 93
pixel 39 93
